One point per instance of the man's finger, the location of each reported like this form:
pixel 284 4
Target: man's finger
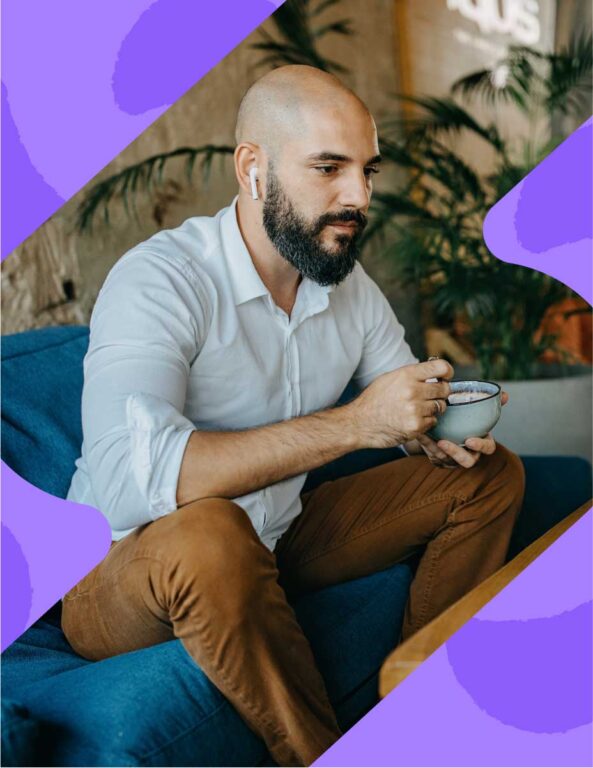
pixel 434 408
pixel 434 390
pixel 504 398
pixel 433 369
pixel 461 455
pixel 431 448
pixel 485 445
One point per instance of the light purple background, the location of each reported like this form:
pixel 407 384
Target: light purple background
pixel 82 80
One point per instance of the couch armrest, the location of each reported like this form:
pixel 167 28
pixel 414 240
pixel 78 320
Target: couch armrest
pixel 410 654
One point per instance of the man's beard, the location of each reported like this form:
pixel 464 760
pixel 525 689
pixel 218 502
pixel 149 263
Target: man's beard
pixel 299 243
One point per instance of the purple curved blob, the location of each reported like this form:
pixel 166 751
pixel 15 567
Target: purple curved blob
pixel 30 191
pixel 16 588
pixel 565 216
pixel 172 45
pixel 60 542
pixel 544 222
pixel 58 61
pixel 535 675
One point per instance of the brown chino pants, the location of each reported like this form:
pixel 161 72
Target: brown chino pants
pixel 202 575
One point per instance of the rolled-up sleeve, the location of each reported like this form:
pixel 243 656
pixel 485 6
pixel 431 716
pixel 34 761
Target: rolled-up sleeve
pixel 145 332
pixel 385 348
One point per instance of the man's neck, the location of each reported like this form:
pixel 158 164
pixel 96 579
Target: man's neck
pixel 280 278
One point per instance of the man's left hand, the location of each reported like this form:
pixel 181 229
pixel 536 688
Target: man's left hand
pixel 447 454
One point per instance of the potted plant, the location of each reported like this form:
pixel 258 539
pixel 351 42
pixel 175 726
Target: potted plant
pixel 476 307
pixel 484 308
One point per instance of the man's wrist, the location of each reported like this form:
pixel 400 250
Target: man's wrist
pixel 351 426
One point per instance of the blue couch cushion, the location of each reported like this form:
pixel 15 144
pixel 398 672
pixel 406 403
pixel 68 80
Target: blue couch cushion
pixel 554 487
pixel 41 395
pixel 156 707
pixel 19 735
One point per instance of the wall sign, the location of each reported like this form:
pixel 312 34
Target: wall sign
pixel 517 18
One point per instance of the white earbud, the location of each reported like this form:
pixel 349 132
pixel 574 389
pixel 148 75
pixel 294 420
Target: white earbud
pixel 253 179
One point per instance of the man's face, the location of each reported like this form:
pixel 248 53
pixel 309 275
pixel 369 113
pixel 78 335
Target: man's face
pixel 317 197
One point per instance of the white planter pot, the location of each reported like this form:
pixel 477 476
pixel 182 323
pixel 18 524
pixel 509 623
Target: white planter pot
pixel 548 416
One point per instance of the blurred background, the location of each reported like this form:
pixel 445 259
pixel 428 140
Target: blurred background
pixel 468 96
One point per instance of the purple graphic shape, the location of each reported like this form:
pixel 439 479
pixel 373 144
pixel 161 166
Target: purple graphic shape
pixel 553 585
pixel 491 658
pixel 430 719
pixel 31 190
pixel 179 33
pixel 58 63
pixel 16 588
pixel 60 543
pixel 545 221
pixel 574 207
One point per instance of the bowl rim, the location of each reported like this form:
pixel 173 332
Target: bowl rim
pixel 482 399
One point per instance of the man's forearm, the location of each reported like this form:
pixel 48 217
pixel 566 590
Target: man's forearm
pixel 231 464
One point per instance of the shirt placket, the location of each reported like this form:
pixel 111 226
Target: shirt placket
pixel 292 373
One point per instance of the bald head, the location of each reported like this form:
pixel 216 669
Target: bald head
pixel 282 104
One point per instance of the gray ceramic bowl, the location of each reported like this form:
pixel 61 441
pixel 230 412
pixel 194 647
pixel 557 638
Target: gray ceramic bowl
pixel 469 419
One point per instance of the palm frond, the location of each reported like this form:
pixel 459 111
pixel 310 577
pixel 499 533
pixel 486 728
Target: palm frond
pixel 444 116
pixel 563 78
pixel 450 170
pixel 399 154
pixel 298 36
pixel 142 176
pixel 388 208
pixel 506 176
pixel 482 84
pixel 342 27
pixel 569 82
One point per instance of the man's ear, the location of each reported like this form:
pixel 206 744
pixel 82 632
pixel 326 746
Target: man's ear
pixel 247 157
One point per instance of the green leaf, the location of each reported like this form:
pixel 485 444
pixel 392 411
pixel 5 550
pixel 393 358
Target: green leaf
pixel 445 116
pixel 298 38
pixel 129 182
pixel 338 27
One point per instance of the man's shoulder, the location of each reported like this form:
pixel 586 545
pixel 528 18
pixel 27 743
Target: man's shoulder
pixel 192 243
pixel 186 249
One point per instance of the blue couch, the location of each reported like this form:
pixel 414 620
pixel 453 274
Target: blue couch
pixel 155 706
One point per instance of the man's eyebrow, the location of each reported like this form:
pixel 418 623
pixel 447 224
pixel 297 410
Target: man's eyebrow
pixel 336 158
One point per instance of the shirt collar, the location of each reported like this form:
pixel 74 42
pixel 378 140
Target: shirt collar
pixel 246 283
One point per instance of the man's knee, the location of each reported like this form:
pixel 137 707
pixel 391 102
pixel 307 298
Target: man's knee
pixel 505 477
pixel 207 532
pixel 208 548
pixel 511 467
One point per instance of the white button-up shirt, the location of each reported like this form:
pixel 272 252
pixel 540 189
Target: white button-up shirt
pixel 184 335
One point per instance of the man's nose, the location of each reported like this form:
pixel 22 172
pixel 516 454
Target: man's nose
pixel 355 192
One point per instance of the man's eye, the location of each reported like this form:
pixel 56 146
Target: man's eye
pixel 369 171
pixel 326 170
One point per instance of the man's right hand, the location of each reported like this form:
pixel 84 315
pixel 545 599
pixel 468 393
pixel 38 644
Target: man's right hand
pixel 401 405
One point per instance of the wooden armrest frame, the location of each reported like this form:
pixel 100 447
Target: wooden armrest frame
pixel 410 654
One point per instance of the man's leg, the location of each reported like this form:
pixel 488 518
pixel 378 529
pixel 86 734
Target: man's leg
pixel 366 522
pixel 202 575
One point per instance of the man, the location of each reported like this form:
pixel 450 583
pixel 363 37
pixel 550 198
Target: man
pixel 217 352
